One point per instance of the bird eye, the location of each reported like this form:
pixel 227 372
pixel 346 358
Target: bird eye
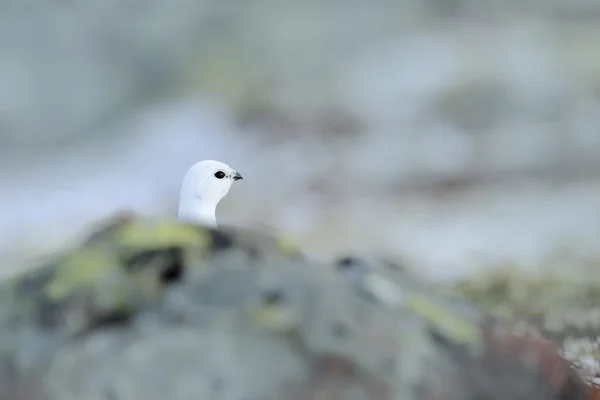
pixel 219 174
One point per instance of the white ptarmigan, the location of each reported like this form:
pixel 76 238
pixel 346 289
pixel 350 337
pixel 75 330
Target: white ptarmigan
pixel 203 187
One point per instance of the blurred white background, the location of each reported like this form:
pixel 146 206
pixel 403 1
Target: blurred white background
pixel 454 135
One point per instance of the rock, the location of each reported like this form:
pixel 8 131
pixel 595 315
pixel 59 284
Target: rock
pixel 560 304
pixel 155 309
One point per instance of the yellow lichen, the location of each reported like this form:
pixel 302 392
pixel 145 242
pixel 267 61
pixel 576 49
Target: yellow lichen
pixel 275 318
pixel 287 247
pixel 79 269
pixel 445 320
pixel 160 234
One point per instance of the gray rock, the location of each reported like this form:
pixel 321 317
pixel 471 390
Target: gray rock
pixel 154 310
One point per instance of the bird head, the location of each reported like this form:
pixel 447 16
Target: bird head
pixel 203 187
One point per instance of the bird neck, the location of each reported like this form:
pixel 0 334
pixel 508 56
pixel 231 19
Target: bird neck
pixel 198 212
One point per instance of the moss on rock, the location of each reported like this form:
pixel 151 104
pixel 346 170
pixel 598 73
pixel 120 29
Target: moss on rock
pixel 561 304
pixel 156 309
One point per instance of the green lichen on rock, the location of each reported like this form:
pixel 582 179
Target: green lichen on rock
pixel 397 287
pixel 561 304
pixel 231 314
pixel 120 269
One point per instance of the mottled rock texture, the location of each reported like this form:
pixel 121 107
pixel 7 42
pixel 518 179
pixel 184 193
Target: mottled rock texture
pixel 158 310
pixel 561 305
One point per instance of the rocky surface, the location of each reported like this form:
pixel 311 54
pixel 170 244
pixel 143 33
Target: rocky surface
pixel 154 309
pixel 561 305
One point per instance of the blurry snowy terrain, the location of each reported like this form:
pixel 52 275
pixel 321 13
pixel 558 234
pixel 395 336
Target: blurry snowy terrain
pixel 452 135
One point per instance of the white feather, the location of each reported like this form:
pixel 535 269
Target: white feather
pixel 201 192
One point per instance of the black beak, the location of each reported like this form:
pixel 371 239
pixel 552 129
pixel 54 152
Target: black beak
pixel 237 176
